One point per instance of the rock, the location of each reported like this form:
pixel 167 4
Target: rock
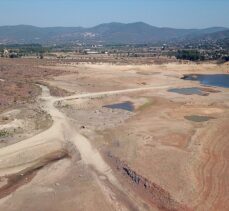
pixel 5 118
pixel 57 184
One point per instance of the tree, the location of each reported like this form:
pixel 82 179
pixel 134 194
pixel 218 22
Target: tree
pixel 41 56
pixel 192 55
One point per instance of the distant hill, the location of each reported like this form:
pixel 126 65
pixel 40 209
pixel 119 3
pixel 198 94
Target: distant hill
pixel 220 35
pixel 116 33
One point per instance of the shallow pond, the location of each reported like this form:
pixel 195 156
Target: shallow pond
pixel 220 80
pixel 128 106
pixel 189 91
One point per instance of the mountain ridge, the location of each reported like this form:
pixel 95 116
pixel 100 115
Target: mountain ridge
pixel 114 32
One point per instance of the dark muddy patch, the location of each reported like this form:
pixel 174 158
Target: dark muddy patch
pixel 220 80
pixel 15 181
pixel 148 73
pixel 128 106
pixel 196 118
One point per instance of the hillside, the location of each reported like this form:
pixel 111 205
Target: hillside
pixel 218 35
pixel 136 33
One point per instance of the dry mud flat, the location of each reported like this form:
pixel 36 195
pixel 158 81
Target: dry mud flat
pixel 168 151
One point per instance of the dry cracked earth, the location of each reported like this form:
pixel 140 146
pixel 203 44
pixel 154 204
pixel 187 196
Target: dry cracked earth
pixel 112 137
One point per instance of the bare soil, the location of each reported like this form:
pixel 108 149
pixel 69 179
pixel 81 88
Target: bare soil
pixel 88 157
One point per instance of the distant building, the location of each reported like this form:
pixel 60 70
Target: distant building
pixel 89 51
pixel 92 52
pixel 10 54
pixel 6 53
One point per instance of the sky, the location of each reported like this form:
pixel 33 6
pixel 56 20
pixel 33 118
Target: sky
pixel 87 13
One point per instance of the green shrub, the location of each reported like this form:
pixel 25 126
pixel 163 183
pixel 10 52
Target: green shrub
pixel 191 55
pixel 4 133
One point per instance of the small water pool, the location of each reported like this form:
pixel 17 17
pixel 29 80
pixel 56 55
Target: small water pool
pixel 220 80
pixel 189 91
pixel 128 106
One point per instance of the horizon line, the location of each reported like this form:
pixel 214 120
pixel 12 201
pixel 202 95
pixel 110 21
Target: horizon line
pixel 113 22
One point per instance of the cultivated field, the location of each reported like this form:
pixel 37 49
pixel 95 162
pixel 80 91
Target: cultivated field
pixel 112 136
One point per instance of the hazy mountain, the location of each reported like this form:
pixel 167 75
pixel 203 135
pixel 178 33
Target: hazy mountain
pixel 105 33
pixel 220 35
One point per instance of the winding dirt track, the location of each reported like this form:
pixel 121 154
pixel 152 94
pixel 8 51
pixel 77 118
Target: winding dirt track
pixel 62 139
pixel 53 143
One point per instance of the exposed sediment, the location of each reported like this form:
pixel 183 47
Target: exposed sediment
pixel 148 190
pixel 14 181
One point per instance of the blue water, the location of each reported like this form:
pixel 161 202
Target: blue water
pixel 128 106
pixel 220 80
pixel 189 91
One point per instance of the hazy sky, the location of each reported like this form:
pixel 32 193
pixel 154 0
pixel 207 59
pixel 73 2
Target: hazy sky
pixel 171 13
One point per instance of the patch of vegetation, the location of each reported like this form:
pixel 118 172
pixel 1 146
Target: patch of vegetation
pixel 225 58
pixel 145 105
pixel 4 133
pixel 19 50
pixel 192 55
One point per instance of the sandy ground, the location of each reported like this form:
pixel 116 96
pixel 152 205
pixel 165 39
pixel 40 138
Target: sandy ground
pixel 96 158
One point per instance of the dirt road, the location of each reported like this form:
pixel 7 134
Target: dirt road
pixel 63 140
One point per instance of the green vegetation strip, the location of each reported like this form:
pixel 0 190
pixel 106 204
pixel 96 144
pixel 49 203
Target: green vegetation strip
pixel 4 133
